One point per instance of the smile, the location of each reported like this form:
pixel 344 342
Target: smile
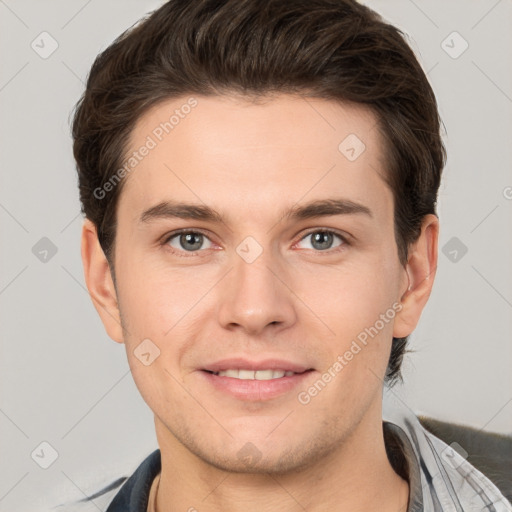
pixel 254 375
pixel 256 385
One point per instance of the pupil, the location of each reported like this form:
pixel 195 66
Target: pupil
pixel 322 240
pixel 191 241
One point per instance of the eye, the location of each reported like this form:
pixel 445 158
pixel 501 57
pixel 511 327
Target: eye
pixel 322 240
pixel 189 241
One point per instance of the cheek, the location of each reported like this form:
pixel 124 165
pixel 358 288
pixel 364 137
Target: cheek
pixel 351 297
pixel 158 301
pixel 358 304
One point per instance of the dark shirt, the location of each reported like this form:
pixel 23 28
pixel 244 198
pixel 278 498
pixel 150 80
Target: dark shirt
pixel 134 494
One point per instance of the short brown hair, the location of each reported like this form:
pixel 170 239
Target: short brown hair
pixel 331 49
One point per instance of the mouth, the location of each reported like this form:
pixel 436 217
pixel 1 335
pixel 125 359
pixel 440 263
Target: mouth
pixel 255 382
pixel 254 374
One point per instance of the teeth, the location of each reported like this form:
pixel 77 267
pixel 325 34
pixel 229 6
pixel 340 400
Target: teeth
pixel 255 375
pixel 264 375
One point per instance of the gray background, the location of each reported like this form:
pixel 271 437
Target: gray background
pixel 65 382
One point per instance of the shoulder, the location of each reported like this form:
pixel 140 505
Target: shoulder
pixel 487 452
pixel 444 462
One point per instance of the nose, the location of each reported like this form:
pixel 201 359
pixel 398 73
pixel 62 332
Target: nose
pixel 255 297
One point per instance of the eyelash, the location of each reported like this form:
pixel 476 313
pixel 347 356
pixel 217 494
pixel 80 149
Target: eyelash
pixel 174 234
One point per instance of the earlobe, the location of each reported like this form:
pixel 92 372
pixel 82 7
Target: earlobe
pixel 421 270
pixel 99 282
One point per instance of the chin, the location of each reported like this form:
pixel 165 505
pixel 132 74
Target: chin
pixel 283 455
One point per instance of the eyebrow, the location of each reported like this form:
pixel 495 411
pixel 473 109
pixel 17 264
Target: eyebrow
pixel 318 208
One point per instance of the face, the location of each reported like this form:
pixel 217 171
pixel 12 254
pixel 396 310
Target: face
pixel 255 255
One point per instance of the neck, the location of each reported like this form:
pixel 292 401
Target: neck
pixel 356 476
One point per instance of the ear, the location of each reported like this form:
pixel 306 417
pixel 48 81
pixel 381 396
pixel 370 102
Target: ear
pixel 421 269
pixel 99 282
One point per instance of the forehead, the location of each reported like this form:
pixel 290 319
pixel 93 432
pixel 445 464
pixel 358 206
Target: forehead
pixel 231 151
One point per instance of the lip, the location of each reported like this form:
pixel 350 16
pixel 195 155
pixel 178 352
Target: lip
pixel 246 364
pixel 255 390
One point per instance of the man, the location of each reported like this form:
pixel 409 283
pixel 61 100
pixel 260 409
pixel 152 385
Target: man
pixel 259 181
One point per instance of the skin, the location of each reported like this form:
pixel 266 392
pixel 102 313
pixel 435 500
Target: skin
pixel 252 162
